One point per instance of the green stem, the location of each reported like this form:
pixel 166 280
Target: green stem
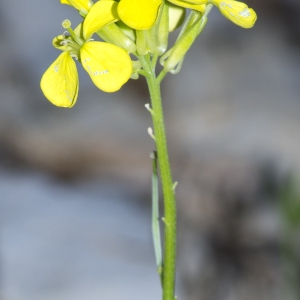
pixel 169 263
pixel 161 76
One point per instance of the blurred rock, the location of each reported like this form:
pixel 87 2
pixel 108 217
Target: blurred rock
pixel 102 138
pixel 283 12
pixel 229 230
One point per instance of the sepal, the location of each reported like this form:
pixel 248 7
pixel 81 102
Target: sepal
pixel 141 42
pixel 163 30
pixel 136 66
pixel 113 34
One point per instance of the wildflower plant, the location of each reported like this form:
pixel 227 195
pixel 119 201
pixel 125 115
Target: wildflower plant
pixel 133 38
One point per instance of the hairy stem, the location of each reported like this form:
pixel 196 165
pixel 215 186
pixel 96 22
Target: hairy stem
pixel 169 257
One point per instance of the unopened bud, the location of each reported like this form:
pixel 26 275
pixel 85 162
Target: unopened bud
pixel 163 30
pixel 141 42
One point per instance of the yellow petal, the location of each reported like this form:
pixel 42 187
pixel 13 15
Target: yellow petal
pixel 237 12
pixel 60 82
pixel 195 5
pixel 108 65
pixel 176 16
pixel 198 2
pixel 139 14
pixel 101 14
pixel 81 5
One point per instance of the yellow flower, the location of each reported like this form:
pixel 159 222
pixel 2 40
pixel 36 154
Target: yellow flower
pixel 108 65
pixel 142 14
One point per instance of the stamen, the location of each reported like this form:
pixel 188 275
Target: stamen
pixel 66 42
pixel 74 55
pixel 66 34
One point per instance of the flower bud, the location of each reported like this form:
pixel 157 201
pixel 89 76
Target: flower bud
pixel 163 30
pixel 141 42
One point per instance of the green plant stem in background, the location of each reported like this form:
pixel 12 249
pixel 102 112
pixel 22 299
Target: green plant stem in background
pixel 169 257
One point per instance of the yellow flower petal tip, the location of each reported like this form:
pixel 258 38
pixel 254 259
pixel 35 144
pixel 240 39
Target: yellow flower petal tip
pixel 176 16
pixel 237 12
pixel 109 66
pixel 81 5
pixel 60 82
pixel 139 14
pixel 102 13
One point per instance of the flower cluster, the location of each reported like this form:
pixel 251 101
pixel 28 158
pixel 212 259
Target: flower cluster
pixel 127 29
pixel 141 14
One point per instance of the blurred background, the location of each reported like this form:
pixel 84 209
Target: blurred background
pixel 75 184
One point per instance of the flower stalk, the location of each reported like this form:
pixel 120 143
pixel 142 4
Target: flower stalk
pixel 169 220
